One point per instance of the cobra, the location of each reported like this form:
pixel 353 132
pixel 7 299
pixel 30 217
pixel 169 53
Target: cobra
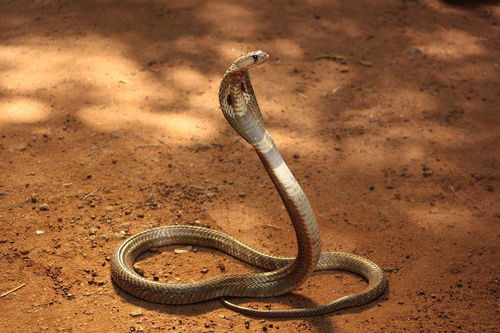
pixel 282 275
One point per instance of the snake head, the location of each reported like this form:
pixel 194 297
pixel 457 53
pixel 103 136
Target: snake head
pixel 249 60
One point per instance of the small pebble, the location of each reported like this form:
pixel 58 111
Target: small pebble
pixel 204 271
pixel 414 52
pixel 44 206
pixel 135 314
pixel 39 232
pixel 120 235
pixel 489 188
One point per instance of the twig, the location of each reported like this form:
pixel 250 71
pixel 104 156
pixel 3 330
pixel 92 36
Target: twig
pixel 152 145
pixel 456 79
pixel 331 57
pixel 272 226
pixel 146 146
pixel 12 290
pixel 91 193
pixel 163 143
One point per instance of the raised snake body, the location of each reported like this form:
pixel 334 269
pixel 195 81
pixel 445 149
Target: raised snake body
pixel 240 108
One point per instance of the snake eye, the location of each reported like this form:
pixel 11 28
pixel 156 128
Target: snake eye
pixel 255 57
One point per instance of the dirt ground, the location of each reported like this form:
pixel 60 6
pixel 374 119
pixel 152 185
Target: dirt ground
pixel 110 125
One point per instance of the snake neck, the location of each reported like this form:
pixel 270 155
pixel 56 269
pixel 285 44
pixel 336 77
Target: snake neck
pixel 240 108
pixel 300 213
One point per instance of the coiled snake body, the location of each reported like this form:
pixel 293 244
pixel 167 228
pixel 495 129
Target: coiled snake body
pixel 240 108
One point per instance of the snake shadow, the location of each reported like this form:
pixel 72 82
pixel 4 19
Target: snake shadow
pixel 322 322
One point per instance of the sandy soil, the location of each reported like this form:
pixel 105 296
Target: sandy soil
pixel 109 125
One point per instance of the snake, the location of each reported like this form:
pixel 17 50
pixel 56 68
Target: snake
pixel 280 275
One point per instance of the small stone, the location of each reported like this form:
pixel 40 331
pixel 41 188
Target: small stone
pixel 204 271
pixel 39 232
pixel 414 52
pixel 247 324
pixel 121 235
pixel 140 215
pixel 489 188
pixel 19 147
pixel 135 314
pixel 426 171
pixel 296 156
pixel 44 206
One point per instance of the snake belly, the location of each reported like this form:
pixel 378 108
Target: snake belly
pixel 240 108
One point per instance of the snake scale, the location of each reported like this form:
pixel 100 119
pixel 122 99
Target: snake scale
pixel 282 275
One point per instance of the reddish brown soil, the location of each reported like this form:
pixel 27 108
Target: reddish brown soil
pixel 109 125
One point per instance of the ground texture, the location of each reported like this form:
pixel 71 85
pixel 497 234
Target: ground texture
pixel 110 125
